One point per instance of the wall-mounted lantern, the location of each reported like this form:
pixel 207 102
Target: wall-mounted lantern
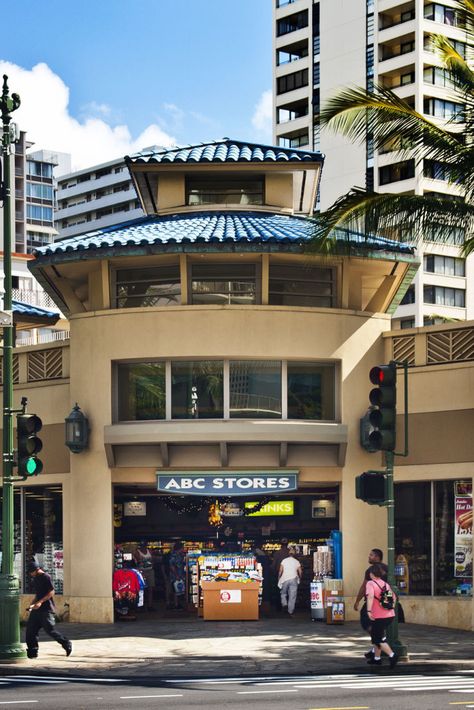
pixel 77 430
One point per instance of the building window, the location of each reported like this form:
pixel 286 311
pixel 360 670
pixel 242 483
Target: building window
pixel 224 190
pixel 156 286
pixel 440 13
pixel 316 73
pixel 291 112
pixel 438 77
pixel 406 323
pixel 433 552
pixel 39 191
pixel 409 296
pixel 231 284
pixel 290 82
pixel 38 534
pixel 404 170
pixel 301 286
pixel 456 236
pixel 444 296
pixel 448 265
pixel 311 391
pixel 197 390
pixel 37 169
pixel 235 389
pixel 296 141
pixel 254 389
pixel 141 391
pixel 292 53
pixel 292 23
pixel 459 47
pixel 446 110
pixel 39 213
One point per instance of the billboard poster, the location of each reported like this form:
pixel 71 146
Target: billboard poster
pixel 463 529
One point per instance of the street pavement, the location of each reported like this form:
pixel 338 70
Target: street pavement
pixel 187 647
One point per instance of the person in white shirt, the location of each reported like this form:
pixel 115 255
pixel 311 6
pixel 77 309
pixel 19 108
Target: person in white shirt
pixel 289 576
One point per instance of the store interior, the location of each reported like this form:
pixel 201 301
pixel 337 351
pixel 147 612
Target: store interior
pixel 236 534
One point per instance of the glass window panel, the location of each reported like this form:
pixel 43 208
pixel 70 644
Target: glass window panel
pixel 459 298
pixel 453 548
pixel 413 536
pixel 158 286
pixel 43 533
pixel 311 391
pixel 197 390
pixel 141 391
pixel 295 285
pixel 224 190
pixel 224 284
pixel 255 389
pixel 459 267
pixel 448 265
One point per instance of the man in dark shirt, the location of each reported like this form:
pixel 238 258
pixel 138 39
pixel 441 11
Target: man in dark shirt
pixel 375 557
pixel 42 613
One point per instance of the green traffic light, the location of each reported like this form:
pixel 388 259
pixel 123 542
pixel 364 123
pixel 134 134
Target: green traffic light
pixel 31 467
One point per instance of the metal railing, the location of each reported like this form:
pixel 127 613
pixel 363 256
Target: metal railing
pixel 53 337
pixel 34 298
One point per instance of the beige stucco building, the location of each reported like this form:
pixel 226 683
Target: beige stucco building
pixel 205 338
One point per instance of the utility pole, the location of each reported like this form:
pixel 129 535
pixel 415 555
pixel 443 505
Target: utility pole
pixel 10 647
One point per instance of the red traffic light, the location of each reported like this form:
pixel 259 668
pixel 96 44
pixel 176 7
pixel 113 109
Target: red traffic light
pixel 383 375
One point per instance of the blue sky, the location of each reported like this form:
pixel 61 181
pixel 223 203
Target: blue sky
pixel 109 75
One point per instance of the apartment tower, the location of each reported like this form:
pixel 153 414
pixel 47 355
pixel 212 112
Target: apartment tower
pixel 321 46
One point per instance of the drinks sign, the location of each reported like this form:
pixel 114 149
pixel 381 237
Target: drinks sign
pixel 227 483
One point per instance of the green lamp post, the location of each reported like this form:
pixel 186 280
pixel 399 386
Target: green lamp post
pixel 10 647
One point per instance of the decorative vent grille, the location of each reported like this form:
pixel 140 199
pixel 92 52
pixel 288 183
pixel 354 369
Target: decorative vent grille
pixel 45 365
pixel 450 345
pixel 16 370
pixel 404 349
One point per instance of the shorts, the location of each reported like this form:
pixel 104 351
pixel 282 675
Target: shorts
pixel 379 630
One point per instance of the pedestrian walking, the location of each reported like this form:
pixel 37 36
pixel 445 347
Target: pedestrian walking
pixel 381 602
pixel 42 612
pixel 375 557
pixel 289 576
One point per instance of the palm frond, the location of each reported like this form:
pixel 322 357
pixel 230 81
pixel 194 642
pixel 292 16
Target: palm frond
pixel 360 215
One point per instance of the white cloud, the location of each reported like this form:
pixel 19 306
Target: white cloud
pixel 44 114
pixel 262 117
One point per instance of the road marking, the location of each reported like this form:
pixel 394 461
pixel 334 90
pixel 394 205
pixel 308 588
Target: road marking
pixel 16 702
pixel 69 679
pixel 350 707
pixel 16 679
pixel 140 697
pixel 462 702
pixel 261 692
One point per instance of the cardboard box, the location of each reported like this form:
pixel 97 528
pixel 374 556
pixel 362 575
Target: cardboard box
pixel 230 601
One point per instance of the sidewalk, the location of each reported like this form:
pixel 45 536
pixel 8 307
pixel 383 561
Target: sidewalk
pixel 278 646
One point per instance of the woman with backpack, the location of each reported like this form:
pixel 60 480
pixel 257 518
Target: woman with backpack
pixel 381 602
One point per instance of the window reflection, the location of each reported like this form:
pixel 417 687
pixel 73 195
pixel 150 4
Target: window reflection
pixel 311 391
pixel 141 391
pixel 255 389
pixel 157 286
pixel 197 390
pixel 224 284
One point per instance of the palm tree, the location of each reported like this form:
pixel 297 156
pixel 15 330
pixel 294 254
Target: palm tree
pixel 395 125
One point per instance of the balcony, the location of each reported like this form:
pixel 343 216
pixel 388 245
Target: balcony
pixel 82 188
pixel 92 205
pixel 34 298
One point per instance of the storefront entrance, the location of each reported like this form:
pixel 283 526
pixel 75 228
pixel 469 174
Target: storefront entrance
pixel 236 532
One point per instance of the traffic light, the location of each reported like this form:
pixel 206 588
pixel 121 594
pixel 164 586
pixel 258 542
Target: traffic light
pixel 384 400
pixel 28 444
pixel 371 487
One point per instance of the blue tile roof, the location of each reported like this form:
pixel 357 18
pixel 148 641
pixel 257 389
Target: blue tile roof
pixel 24 309
pixel 225 151
pixel 207 228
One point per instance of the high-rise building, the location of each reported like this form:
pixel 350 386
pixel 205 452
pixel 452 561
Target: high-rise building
pixel 321 46
pixel 96 197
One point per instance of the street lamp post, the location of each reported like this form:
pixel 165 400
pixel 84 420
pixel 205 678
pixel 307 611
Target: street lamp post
pixel 10 647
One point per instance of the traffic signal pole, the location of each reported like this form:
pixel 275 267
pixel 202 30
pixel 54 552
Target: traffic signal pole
pixel 10 647
pixel 392 632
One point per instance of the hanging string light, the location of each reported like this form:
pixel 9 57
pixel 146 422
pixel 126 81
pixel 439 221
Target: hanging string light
pixel 215 514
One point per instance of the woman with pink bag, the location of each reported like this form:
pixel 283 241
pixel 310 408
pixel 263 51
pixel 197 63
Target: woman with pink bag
pixel 381 602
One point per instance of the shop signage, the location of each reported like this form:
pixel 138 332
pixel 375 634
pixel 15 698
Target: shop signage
pixel 231 510
pixel 228 483
pixel 463 529
pixel 134 508
pixel 323 508
pixel 230 596
pixel 277 507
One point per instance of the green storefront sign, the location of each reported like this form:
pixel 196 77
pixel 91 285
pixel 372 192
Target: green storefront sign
pixel 280 507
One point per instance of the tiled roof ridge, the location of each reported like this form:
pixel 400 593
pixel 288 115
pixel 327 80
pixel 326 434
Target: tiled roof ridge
pixel 210 227
pixel 212 149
